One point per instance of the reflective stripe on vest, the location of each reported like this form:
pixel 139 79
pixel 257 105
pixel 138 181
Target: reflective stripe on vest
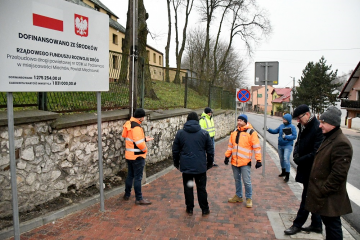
pixel 209 129
pixel 137 142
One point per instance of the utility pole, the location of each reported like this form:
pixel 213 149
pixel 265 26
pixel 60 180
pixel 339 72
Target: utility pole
pixel 133 55
pixel 291 96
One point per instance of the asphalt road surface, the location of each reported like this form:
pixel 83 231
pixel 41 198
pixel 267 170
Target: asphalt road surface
pixel 353 187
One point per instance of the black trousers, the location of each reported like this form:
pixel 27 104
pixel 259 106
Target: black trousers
pixel 200 181
pixel 303 214
pixel 332 228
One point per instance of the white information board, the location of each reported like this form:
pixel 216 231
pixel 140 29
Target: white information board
pixel 52 46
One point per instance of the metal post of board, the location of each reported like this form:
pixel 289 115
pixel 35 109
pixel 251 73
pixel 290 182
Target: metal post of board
pixel 265 115
pixel 10 116
pixel 98 96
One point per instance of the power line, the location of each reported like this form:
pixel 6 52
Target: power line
pixel 309 50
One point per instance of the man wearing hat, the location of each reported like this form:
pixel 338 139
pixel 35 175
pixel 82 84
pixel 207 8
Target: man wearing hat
pixel 308 141
pixel 242 142
pixel 135 154
pixel 327 193
pixel 193 155
pixel 207 122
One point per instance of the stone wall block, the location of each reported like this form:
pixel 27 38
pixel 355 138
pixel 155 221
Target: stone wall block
pixel 77 132
pixel 5 134
pixel 66 164
pixel 21 165
pixel 18 132
pixel 31 141
pixel 39 150
pixel 42 127
pixel 55 147
pixel 4 160
pixel 28 154
pixel 31 178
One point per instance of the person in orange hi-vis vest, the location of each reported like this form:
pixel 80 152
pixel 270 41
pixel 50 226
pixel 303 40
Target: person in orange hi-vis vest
pixel 135 154
pixel 243 141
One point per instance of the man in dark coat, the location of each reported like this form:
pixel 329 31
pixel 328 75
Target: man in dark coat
pixel 193 155
pixel 308 142
pixel 327 193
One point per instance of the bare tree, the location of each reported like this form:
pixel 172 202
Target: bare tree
pixel 167 48
pixel 233 70
pixel 179 52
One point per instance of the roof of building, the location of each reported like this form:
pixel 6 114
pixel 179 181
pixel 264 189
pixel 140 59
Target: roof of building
pixel 284 95
pixel 350 83
pixel 112 23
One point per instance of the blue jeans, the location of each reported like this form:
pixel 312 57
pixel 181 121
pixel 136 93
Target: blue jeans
pixel 135 173
pixel 245 172
pixel 284 155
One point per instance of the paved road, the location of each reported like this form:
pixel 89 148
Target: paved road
pixel 353 187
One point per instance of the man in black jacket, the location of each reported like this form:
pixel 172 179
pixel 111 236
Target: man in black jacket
pixel 308 141
pixel 193 155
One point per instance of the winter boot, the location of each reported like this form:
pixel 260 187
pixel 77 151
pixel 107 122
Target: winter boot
pixel 286 179
pixel 282 172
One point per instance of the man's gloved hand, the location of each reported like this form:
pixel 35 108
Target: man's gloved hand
pixel 267 129
pixel 283 135
pixel 258 164
pixel 226 161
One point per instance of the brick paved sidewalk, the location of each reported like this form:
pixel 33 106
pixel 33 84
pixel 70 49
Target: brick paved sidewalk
pixel 166 217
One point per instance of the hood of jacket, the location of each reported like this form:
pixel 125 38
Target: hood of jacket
pixel 288 118
pixel 244 128
pixel 192 126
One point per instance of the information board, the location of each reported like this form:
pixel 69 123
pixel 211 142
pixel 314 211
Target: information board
pixel 53 46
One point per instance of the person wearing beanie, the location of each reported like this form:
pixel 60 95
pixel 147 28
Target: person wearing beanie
pixel 242 142
pixel 308 141
pixel 207 123
pixel 287 135
pixel 193 155
pixel 135 154
pixel 327 195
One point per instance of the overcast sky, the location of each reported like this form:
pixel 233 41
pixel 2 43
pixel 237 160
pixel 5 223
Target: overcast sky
pixel 303 31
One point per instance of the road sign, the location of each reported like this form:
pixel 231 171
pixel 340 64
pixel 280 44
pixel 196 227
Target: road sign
pixel 272 74
pixel 243 95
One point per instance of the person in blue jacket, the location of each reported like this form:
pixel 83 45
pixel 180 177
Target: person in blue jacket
pixel 193 155
pixel 287 135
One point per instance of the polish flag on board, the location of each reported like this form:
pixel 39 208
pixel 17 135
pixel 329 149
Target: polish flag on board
pixel 47 17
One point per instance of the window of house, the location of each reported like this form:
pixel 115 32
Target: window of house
pixel 115 39
pixel 148 54
pixel 122 42
pixel 154 57
pixel 154 71
pixel 159 60
pixel 97 8
pixel 109 15
pixel 115 62
pixel 358 95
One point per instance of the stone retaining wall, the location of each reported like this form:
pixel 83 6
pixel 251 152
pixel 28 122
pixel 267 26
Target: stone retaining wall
pixel 49 160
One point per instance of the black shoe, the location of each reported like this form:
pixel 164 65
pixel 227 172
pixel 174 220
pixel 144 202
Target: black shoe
pixel 126 198
pixel 292 230
pixel 312 229
pixel 189 212
pixel 286 179
pixel 215 165
pixel 282 174
pixel 206 212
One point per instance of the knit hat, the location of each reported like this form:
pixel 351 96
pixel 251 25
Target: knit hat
pixel 243 117
pixel 303 108
pixel 207 110
pixel 332 116
pixel 139 113
pixel 193 116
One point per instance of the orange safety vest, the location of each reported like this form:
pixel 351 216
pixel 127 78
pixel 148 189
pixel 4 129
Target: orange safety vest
pixel 134 139
pixel 242 142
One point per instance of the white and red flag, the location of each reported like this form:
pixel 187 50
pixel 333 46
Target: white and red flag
pixel 47 17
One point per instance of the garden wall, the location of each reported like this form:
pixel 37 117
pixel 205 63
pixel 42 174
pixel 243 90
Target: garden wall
pixel 55 153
